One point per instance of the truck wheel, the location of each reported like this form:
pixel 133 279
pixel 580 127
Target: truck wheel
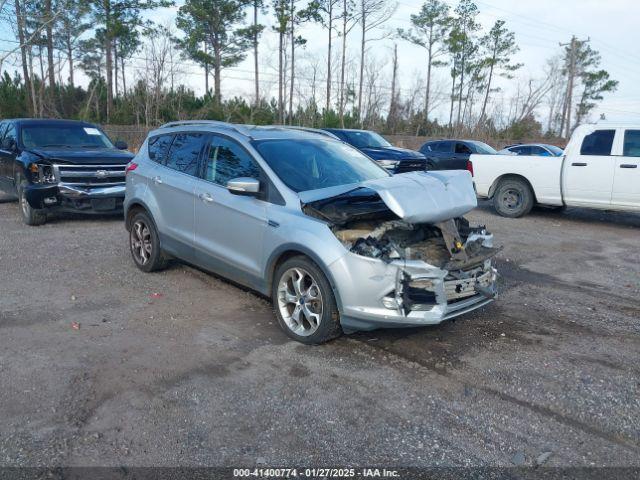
pixel 513 198
pixel 144 243
pixel 304 303
pixel 430 166
pixel 31 216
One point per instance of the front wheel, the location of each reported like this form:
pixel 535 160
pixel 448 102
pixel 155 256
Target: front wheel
pixel 304 303
pixel 31 216
pixel 513 198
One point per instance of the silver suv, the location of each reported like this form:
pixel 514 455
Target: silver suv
pixel 338 243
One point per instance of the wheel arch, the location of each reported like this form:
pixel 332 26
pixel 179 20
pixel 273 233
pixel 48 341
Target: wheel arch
pixel 132 208
pixel 511 176
pixel 288 251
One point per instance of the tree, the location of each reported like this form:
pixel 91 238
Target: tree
pixel 254 32
pixel 212 35
pixel 372 14
pixel 595 84
pixel 465 26
pixel 108 16
pixel 281 12
pixel 432 26
pixel 499 45
pixel 71 26
pixel 349 20
pixel 326 15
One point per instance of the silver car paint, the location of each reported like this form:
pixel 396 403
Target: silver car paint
pixel 242 237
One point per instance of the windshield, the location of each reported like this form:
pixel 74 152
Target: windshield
pixel 557 151
pixel 64 136
pixel 312 164
pixel 484 148
pixel 364 139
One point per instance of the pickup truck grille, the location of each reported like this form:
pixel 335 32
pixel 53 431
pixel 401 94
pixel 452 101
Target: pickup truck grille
pixel 411 166
pixel 90 175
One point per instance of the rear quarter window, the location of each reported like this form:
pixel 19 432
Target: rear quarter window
pixel 158 147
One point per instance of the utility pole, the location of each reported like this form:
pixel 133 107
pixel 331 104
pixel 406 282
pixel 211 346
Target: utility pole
pixel 571 72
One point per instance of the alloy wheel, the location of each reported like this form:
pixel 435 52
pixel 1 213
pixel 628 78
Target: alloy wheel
pixel 141 245
pixel 300 301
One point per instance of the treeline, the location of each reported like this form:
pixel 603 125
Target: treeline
pixel 135 67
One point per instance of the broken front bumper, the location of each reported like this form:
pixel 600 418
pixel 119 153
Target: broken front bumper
pixel 407 293
pixel 76 198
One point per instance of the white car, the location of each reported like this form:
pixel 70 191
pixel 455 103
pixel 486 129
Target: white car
pixel 600 169
pixel 540 149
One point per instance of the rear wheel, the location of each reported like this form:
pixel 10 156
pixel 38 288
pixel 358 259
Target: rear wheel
pixel 31 216
pixel 304 302
pixel 513 198
pixel 144 243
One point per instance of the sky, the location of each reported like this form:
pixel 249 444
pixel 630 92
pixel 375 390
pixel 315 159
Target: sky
pixel 539 26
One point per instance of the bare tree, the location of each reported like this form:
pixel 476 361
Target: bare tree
pixel 372 14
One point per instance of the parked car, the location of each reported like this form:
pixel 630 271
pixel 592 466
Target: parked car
pixel 61 165
pixel 452 154
pixel 337 242
pixel 600 169
pixel 540 149
pixel 393 159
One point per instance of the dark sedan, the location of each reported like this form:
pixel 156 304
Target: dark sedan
pixel 452 154
pixel 393 159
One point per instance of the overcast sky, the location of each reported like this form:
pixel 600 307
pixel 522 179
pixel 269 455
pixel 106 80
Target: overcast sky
pixel 539 25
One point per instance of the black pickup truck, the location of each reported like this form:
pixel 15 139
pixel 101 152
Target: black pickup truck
pixel 61 165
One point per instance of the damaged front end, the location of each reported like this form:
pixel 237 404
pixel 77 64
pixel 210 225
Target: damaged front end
pixel 409 265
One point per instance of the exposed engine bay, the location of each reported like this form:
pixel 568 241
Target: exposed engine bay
pixel 435 261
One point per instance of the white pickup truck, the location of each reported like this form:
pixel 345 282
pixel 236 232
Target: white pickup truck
pixel 600 169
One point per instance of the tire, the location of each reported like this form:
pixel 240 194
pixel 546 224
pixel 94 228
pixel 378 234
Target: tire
pixel 31 216
pixel 430 166
pixel 144 243
pixel 513 198
pixel 318 319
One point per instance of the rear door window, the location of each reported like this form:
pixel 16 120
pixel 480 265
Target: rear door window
pixel 158 147
pixel 227 160
pixel 184 153
pixel 462 148
pixel 631 143
pixel 598 143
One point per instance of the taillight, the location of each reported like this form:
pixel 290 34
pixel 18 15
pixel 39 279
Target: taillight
pixel 130 167
pixel 470 167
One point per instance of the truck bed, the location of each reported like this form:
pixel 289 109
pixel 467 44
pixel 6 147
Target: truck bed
pixel 543 173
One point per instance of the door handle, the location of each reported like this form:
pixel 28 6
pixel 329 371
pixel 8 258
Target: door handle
pixel 206 197
pixel 578 164
pixel 628 165
pixel 157 180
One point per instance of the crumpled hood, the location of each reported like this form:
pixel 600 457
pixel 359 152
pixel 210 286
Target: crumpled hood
pixel 415 197
pixel 85 156
pixel 391 153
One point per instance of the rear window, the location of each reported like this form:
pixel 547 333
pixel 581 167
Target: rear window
pixel 598 143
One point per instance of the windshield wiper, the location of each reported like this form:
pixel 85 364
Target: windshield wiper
pixel 54 145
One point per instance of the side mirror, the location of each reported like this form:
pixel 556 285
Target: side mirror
pixel 121 145
pixel 244 186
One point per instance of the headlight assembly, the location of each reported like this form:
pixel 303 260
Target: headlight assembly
pixel 42 173
pixel 388 163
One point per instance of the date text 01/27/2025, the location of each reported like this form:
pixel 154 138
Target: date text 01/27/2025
pixel 315 472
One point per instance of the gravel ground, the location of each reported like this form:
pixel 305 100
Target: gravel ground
pixel 202 375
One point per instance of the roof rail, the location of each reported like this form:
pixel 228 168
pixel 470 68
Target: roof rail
pixel 237 128
pixel 318 131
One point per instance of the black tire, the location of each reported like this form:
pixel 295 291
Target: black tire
pixel 328 326
pixel 144 244
pixel 31 216
pixel 431 166
pixel 513 198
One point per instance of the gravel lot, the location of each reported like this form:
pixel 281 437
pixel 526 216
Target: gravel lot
pixel 202 375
